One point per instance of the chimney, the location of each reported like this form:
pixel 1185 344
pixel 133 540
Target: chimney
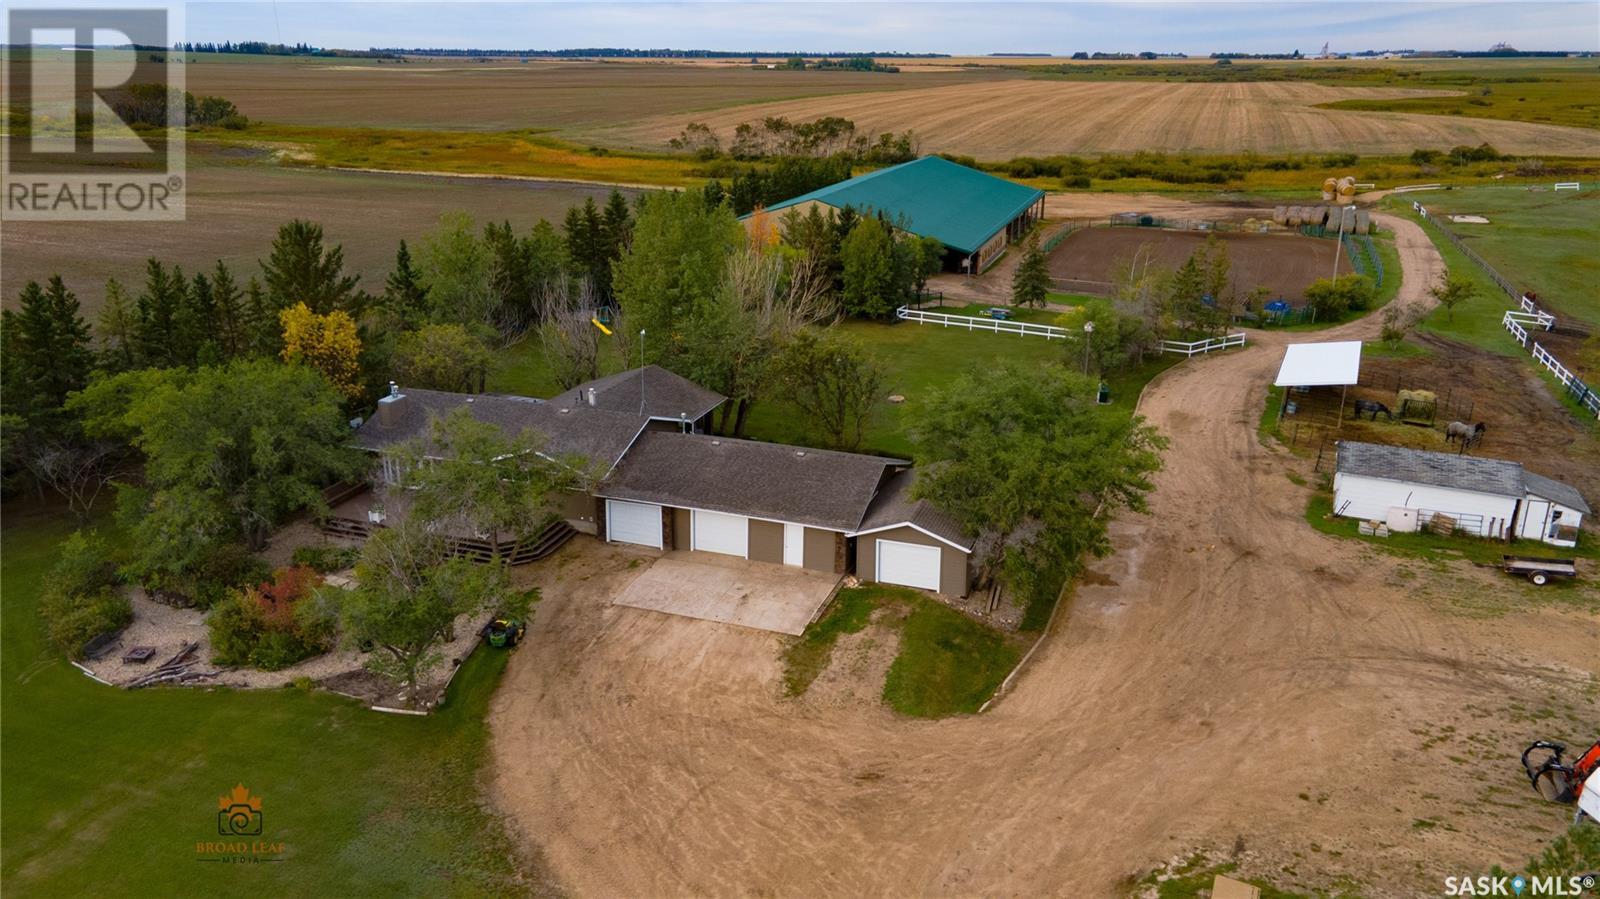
pixel 389 407
pixel 590 396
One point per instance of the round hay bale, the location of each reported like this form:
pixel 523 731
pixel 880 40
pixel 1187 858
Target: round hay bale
pixel 1363 221
pixel 1330 186
pixel 1293 219
pixel 1280 215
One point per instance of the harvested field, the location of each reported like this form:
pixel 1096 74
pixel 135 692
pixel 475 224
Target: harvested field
pixel 235 211
pixel 1040 117
pixel 505 94
pixel 1285 264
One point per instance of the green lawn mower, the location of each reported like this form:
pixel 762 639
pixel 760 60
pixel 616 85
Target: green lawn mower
pixel 504 633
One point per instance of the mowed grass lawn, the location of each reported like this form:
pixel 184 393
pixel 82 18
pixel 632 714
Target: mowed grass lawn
pixel 947 663
pixel 917 360
pixel 1545 241
pixel 111 790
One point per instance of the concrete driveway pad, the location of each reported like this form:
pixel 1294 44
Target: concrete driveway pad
pixel 759 595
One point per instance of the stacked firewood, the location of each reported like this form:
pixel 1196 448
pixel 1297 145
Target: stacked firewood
pixel 176 670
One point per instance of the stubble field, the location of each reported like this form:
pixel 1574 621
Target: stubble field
pixel 1041 117
pixel 506 94
pixel 235 211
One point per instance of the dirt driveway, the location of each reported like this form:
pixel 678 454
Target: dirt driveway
pixel 1232 679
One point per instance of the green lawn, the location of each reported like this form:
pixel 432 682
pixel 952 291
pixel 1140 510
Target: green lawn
pixel 1542 241
pixel 104 786
pixel 1477 321
pixel 948 663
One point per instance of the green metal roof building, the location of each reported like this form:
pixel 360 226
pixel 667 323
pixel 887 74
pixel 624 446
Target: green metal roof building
pixel 975 215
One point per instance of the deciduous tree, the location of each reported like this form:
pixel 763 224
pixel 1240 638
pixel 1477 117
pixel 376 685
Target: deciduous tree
pixel 230 452
pixel 1024 456
pixel 1451 291
pixel 868 260
pixel 441 357
pixel 329 344
pixel 833 382
pixel 409 592
pixel 471 475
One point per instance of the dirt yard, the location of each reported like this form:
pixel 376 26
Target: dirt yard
pixel 1231 678
pixel 1286 264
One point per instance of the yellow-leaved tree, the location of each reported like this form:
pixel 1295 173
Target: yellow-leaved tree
pixel 328 343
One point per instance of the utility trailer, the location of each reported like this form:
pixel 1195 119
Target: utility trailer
pixel 1539 570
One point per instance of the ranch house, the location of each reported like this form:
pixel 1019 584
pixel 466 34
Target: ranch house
pixel 1414 489
pixel 974 214
pixel 662 482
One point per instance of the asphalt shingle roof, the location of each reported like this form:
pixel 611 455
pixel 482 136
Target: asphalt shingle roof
pixel 1550 488
pixel 1494 476
pixel 894 506
pixel 599 436
pixel 960 207
pixel 743 477
pixel 666 395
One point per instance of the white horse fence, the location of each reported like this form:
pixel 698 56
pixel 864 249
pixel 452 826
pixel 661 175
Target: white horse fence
pixel 1569 185
pixel 974 323
pixel 1190 348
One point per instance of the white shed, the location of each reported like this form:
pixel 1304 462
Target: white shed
pixel 1484 497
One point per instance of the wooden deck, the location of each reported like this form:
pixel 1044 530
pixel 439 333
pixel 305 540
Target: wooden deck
pixel 350 517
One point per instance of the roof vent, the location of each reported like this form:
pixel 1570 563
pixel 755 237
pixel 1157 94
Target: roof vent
pixel 716 443
pixel 799 452
pixel 469 399
pixel 591 396
pixel 564 411
pixel 394 389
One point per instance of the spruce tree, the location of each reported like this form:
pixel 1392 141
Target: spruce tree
pixel 117 329
pixel 403 293
pixel 231 330
pixel 301 270
pixel 48 342
pixel 1030 283
pixel 158 316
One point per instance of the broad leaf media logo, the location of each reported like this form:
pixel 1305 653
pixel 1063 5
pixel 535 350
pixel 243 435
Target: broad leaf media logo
pixel 95 112
pixel 239 814
pixel 239 817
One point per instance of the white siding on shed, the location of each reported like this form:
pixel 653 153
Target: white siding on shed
pixel 1358 496
pixel 1541 518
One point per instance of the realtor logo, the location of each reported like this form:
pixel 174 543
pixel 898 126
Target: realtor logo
pixel 95 109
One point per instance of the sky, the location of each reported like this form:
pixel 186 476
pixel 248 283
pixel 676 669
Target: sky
pixel 959 28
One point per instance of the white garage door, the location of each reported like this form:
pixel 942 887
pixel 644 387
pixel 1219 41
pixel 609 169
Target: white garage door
pixel 715 532
pixel 633 523
pixel 908 564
